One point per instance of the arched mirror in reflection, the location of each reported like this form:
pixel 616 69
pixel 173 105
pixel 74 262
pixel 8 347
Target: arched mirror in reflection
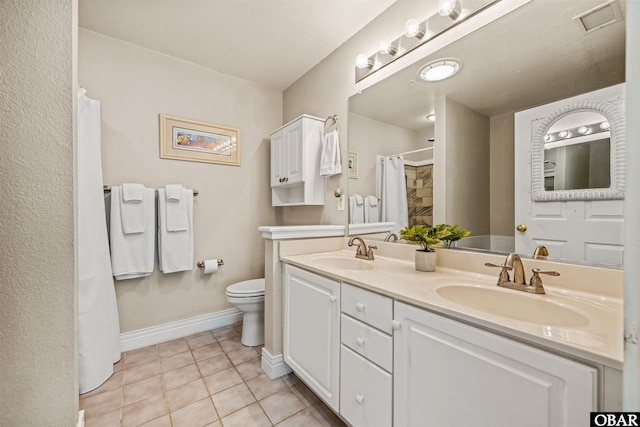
pixel 578 154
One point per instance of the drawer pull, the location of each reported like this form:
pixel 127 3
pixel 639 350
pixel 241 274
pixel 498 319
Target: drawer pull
pixel 360 341
pixel 395 325
pixel 333 298
pixel 359 399
pixel 360 306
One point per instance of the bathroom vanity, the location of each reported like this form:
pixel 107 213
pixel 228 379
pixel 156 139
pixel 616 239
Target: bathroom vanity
pixel 383 344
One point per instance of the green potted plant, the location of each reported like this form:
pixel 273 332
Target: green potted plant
pixel 455 234
pixel 425 237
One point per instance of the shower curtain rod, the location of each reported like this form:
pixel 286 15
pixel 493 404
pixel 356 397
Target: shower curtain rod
pixel 107 189
pixel 414 151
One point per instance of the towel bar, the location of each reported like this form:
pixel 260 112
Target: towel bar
pixel 201 263
pixel 107 189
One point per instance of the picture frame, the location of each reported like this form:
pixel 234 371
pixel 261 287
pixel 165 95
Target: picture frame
pixel 191 140
pixel 352 164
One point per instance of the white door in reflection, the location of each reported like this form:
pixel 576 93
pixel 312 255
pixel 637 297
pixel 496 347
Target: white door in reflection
pixel 579 230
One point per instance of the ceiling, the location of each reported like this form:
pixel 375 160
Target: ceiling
pixel 532 56
pixel 271 42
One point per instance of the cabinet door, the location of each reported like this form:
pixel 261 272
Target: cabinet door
pixel 277 158
pixel 447 373
pixel 293 152
pixel 365 392
pixel 311 320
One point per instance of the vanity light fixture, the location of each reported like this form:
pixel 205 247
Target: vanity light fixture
pixel 431 117
pixel 450 8
pixel 439 70
pixel 363 61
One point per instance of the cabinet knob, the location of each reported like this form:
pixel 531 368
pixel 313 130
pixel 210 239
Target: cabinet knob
pixel 360 306
pixel 395 325
pixel 333 298
pixel 360 341
pixel 359 399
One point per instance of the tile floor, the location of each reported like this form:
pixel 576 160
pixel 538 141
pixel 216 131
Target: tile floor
pixel 207 379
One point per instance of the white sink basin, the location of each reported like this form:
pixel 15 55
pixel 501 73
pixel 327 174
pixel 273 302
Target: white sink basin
pixel 514 305
pixel 343 263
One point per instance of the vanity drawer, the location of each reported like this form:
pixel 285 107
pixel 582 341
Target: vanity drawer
pixel 365 391
pixel 367 341
pixel 368 307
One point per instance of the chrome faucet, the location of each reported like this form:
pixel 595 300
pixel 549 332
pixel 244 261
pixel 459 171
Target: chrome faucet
pixel 362 252
pixel 514 262
pixel 391 237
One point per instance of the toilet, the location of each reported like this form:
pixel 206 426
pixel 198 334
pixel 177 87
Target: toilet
pixel 248 297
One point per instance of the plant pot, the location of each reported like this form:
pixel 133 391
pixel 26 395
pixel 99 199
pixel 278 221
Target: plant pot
pixel 425 261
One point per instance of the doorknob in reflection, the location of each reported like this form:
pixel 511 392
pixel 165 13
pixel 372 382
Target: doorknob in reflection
pixel 521 228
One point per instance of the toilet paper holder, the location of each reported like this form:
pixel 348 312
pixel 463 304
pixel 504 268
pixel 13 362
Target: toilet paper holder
pixel 201 263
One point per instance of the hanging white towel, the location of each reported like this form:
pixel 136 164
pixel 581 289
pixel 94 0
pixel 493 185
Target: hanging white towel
pixel 175 248
pixel 98 331
pixel 356 209
pixel 177 212
pixel 132 255
pixel 330 163
pixel 371 209
pixel 132 212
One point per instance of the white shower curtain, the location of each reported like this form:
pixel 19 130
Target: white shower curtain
pixel 98 325
pixel 391 186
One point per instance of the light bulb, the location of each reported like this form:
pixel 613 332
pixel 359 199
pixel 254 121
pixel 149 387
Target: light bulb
pixel 547 138
pixel 584 130
pixel 605 125
pixel 564 134
pixel 412 28
pixel 387 48
pixel 450 8
pixel 362 61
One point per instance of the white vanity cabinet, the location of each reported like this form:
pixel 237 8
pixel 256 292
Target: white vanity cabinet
pixel 447 373
pixel 366 366
pixel 311 335
pixel 295 163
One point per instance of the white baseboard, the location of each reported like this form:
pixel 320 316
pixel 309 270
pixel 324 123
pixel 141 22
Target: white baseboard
pixel 274 366
pixel 81 418
pixel 181 328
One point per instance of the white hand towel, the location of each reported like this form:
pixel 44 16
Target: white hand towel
pixel 132 212
pixel 356 209
pixel 132 192
pixel 176 208
pixel 371 209
pixel 174 192
pixel 132 255
pixel 330 163
pixel 175 248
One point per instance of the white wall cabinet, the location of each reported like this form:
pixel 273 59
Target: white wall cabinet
pixel 311 338
pixel 447 373
pixel 295 163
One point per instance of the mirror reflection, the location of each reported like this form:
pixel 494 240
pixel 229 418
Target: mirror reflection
pixel 507 66
pixel 577 153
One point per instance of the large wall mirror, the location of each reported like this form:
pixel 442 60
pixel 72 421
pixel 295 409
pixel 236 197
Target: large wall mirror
pixel 460 168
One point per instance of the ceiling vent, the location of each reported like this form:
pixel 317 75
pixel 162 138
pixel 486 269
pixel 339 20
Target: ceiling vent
pixel 599 17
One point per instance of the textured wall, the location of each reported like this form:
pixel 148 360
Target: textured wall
pixel 135 86
pixel 37 309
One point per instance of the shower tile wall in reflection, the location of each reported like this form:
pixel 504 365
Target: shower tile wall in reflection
pixel 420 194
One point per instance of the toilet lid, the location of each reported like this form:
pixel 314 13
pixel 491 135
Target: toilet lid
pixel 248 287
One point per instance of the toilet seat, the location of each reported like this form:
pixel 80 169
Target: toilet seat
pixel 246 289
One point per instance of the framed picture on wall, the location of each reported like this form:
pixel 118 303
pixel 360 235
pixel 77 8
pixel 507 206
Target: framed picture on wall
pixel 184 139
pixel 353 164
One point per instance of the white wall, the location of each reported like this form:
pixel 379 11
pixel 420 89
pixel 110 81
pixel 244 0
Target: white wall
pixel 369 138
pixel 135 86
pixel 37 297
